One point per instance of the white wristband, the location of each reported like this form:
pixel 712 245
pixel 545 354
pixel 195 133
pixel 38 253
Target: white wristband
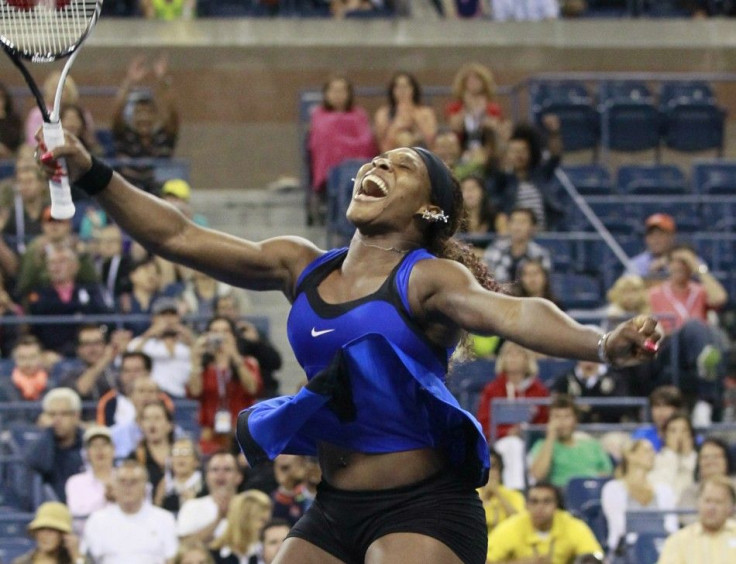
pixel 602 353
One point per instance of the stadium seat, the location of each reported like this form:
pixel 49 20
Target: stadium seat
pixel 714 177
pixel 106 140
pixel 467 380
pixel 719 248
pixel 683 211
pixel 12 548
pixel 551 368
pixel 577 291
pixel 562 251
pixel 624 91
pixel 675 92
pixel 509 413
pixel 7 168
pixel 592 513
pixel 13 524
pixel 6 367
pixel 544 92
pixel 607 8
pixel 647 548
pixel 579 124
pixel 590 180
pixel 339 194
pixel 651 179
pixel 580 491
pixel 22 434
pixel 186 416
pixel 630 125
pixel 694 126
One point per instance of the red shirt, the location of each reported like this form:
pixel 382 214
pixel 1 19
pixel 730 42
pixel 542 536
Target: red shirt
pixel 502 388
pixel 456 106
pixel 234 397
pixel 678 305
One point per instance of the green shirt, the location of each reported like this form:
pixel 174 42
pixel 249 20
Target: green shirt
pixel 584 458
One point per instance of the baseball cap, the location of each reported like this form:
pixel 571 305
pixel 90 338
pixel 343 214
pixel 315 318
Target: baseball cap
pixel 178 188
pixel 163 305
pixel 661 221
pixel 96 431
pixel 52 515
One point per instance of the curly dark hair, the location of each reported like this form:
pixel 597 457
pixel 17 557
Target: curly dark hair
pixel 528 134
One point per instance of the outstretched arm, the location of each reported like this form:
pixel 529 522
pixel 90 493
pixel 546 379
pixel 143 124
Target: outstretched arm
pixel 273 264
pixel 448 293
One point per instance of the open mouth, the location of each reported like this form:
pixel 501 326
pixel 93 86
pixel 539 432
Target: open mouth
pixel 372 188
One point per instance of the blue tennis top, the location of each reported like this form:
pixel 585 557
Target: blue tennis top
pixel 396 378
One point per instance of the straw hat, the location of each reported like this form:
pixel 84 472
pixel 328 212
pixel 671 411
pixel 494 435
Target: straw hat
pixel 52 515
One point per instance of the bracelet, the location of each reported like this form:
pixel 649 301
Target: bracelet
pixel 602 353
pixel 96 179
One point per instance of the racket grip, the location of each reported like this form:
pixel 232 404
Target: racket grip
pixel 62 206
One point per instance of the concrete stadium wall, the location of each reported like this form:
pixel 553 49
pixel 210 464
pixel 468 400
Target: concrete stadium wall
pixel 238 80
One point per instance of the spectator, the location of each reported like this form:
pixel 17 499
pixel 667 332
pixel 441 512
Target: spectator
pixel 249 511
pixel 564 454
pixel 528 185
pixel 251 342
pixel 593 380
pixel 145 281
pixel 505 254
pixel 198 296
pixel 57 453
pixel 341 8
pixel 167 10
pixel 447 147
pixel 29 379
pixel 499 502
pixel 193 553
pixel 272 536
pixel 178 193
pixel 481 215
pixel 154 449
pixel 675 462
pixel 713 538
pixel 659 239
pixel 9 333
pixel 11 125
pixel 205 518
pixel 184 481
pixel 22 217
pixel 167 341
pixel 96 375
pixel 51 529
pixel 664 402
pixel 339 129
pixel 627 298
pixel 112 264
pixel 290 499
pixel 404 121
pixel 64 295
pixel 74 118
pixel 714 459
pixel 91 489
pixel 634 489
pixel 223 381
pixel 473 106
pixel 516 377
pixel 116 406
pixel 533 281
pixel 525 10
pixel 131 529
pixel 34 271
pixel 145 125
pixel 544 533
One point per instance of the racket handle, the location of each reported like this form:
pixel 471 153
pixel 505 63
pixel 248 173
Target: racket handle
pixel 62 206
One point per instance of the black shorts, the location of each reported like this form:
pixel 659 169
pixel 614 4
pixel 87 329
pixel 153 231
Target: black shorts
pixel 345 523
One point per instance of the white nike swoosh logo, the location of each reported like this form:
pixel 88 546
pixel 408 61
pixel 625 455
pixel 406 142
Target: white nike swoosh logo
pixel 316 333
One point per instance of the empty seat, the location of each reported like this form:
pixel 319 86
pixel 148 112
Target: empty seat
pixel 714 177
pixel 578 291
pixel 570 101
pixel 13 524
pixel 7 168
pixel 551 368
pixel 580 491
pixel 186 416
pixel 684 212
pixel 694 126
pixel 107 141
pixel 630 126
pixel 12 548
pixel 624 91
pixel 562 251
pixel 592 179
pixel 339 194
pixel 675 92
pixel 467 380
pixel 647 548
pixel 718 249
pixel 651 179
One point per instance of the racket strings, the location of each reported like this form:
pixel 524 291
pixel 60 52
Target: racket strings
pixel 45 29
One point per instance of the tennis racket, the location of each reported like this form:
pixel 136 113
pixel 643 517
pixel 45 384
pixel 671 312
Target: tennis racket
pixel 44 31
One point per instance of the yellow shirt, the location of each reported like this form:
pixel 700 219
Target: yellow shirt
pixel 495 511
pixel 516 538
pixel 693 545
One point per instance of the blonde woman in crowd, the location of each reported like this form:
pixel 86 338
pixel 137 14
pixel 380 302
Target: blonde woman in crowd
pixel 675 463
pixel 246 515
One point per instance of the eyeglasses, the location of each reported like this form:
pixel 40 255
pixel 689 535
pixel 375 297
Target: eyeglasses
pixel 61 413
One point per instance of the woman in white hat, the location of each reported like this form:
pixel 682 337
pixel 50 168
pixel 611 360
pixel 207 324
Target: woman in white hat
pixel 51 528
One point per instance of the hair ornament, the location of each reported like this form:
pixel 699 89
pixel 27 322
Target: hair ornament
pixel 434 217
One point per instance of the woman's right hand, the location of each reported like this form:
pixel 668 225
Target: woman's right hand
pixel 78 159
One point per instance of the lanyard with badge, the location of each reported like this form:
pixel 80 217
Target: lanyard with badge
pixel 223 420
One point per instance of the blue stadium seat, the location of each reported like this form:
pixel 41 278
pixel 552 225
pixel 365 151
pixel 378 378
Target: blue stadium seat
pixel 647 548
pixel 551 368
pixel 544 92
pixel 607 8
pixel 339 194
pixel 624 91
pixel 509 413
pixel 718 249
pixel 467 380
pixel 592 513
pixel 694 126
pixel 718 215
pixel 675 92
pixel 167 169
pixel 631 125
pixel 683 211
pixel 714 177
pixel 578 291
pixel 107 141
pixel 580 491
pixel 562 251
pixel 590 180
pixel 7 168
pixel 614 216
pixel 651 179
pixel 12 548
pixel 579 124
pixel 6 367
pixel 13 524
pixel 186 416
pixel 22 434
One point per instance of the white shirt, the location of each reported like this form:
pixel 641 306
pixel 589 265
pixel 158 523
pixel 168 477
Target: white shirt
pixel 146 537
pixel 525 10
pixel 615 502
pixel 197 514
pixel 169 371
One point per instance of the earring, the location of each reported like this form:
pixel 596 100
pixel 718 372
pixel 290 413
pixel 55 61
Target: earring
pixel 434 217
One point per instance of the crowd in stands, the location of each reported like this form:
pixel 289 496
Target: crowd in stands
pixel 117 461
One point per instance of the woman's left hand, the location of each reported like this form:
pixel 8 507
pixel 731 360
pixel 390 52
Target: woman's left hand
pixel 633 341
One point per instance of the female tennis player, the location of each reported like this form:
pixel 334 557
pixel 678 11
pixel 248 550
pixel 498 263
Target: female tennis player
pixel 373 325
